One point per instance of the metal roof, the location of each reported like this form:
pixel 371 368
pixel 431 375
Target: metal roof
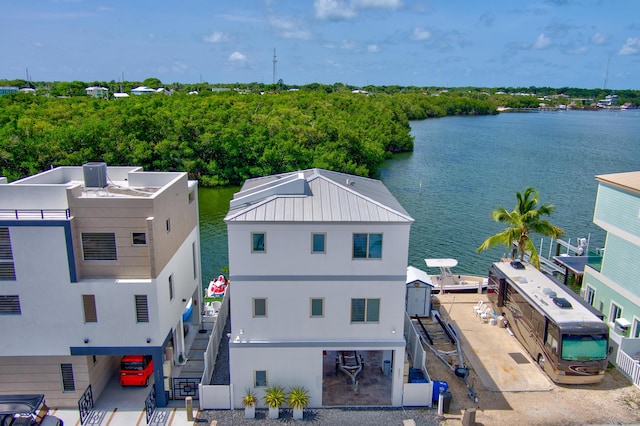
pixel 315 195
pixel 628 180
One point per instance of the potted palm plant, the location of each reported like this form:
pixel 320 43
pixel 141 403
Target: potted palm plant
pixel 274 397
pixel 249 401
pixel 298 399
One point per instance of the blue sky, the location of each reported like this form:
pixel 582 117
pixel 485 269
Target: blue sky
pixel 490 43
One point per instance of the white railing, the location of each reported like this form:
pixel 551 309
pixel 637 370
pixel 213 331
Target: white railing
pixel 416 394
pixel 214 397
pixel 629 366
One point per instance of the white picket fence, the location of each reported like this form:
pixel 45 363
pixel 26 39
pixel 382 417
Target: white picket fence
pixel 629 366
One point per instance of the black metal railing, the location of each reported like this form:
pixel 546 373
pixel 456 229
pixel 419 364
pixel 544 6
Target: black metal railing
pixel 184 387
pixel 150 404
pixel 24 214
pixel 85 404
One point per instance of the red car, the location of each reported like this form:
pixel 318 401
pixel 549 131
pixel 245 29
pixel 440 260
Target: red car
pixel 135 370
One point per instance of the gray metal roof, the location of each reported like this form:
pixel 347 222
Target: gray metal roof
pixel 315 195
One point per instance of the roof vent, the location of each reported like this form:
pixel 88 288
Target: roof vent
pixel 562 302
pixel 95 175
pixel 516 265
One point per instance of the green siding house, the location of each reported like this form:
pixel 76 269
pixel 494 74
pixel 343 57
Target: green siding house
pixel 615 288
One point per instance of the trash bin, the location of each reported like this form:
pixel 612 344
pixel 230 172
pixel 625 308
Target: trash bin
pixel 387 367
pixel 446 401
pixel 438 387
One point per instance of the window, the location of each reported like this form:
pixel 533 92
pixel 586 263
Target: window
pixel 68 382
pixel 365 310
pixel 194 255
pixel 99 246
pixel 192 196
pixel 10 305
pixel 168 225
pixel 138 238
pixel 260 377
pixel 318 243
pixel 258 242
pixel 367 246
pixel 259 307
pixel 7 269
pixel 615 312
pixel 171 287
pixel 142 308
pixel 317 307
pixel 89 306
pixel 591 295
pixel 635 331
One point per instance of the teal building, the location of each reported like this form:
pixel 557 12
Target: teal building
pixel 614 287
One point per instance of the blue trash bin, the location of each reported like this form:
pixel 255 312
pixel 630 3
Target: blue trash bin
pixel 438 387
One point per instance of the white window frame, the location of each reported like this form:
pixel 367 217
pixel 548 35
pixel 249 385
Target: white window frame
pixel 264 242
pixel 255 378
pixel 311 299
pixel 324 243
pixel 613 307
pixel 266 307
pixel 590 295
pixel 133 239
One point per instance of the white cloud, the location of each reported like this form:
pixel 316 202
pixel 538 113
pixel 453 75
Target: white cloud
pixel 237 57
pixel 342 10
pixel 216 37
pixel 631 47
pixel 347 45
pixel 377 4
pixel 333 10
pixel 290 28
pixel 542 42
pixel 599 38
pixel 373 48
pixel 420 34
pixel 582 50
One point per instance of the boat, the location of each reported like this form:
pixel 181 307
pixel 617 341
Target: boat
pixel 446 281
pixel 217 287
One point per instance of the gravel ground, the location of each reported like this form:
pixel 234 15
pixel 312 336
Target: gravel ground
pixel 326 416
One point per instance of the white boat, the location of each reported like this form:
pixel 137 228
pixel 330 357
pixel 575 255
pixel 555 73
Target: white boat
pixel 217 287
pixel 446 281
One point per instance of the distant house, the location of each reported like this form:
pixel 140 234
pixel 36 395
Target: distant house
pixel 609 100
pixel 97 92
pixel 8 89
pixel 28 90
pixel 614 288
pixel 143 90
pixel 120 95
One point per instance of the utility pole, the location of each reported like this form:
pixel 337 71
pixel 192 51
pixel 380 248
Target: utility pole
pixel 274 65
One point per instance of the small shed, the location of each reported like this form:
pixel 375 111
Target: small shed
pixel 418 297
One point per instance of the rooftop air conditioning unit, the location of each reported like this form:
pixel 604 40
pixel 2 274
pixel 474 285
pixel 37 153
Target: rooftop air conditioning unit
pixel 95 175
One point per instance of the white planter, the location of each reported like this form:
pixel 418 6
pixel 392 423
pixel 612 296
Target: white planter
pixel 250 412
pixel 274 413
pixel 298 413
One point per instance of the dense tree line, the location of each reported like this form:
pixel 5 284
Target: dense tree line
pixel 218 138
pixel 225 137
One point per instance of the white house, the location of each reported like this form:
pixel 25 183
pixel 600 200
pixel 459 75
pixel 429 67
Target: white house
pixel 97 91
pixel 95 262
pixel 318 265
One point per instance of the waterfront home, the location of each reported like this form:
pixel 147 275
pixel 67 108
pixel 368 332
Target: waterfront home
pixel 96 262
pixel 318 267
pixel 97 92
pixel 142 90
pixel 614 288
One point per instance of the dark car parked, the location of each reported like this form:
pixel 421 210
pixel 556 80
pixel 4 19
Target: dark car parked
pixel 26 410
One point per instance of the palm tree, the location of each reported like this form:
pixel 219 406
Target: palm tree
pixel 522 221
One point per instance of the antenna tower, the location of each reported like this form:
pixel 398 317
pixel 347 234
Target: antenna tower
pixel 606 76
pixel 274 65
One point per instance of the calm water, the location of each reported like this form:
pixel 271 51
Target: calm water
pixel 464 167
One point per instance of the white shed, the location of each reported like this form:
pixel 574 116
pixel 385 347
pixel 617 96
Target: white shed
pixel 418 298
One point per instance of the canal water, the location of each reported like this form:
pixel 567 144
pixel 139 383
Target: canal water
pixel 464 167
